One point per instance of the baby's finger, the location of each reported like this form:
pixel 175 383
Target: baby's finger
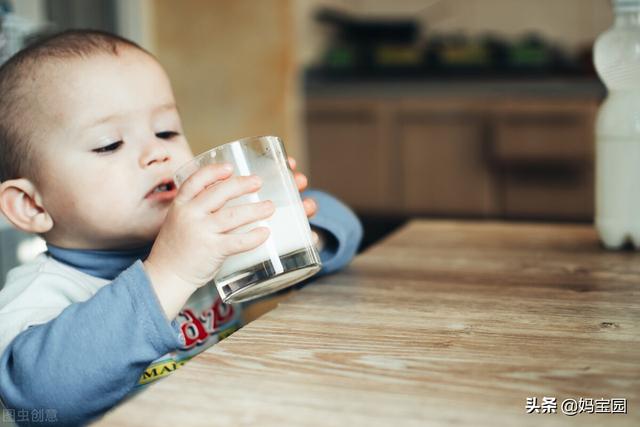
pixel 315 238
pixel 230 218
pixel 310 207
pixel 214 197
pixel 233 243
pixel 301 181
pixel 292 163
pixel 201 179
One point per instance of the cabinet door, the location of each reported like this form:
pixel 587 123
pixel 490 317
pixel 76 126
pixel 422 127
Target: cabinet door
pixel 349 154
pixel 546 162
pixel 444 169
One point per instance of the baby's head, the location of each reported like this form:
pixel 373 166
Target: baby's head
pixel 90 137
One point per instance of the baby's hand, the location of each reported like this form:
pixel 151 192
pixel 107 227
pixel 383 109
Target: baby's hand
pixel 194 240
pixel 310 206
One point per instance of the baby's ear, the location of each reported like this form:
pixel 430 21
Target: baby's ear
pixel 21 203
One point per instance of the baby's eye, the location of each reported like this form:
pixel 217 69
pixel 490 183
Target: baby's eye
pixel 111 147
pixel 169 134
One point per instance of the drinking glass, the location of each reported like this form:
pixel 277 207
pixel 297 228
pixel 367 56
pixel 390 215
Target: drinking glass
pixel 288 256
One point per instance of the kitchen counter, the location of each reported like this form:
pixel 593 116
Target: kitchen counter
pixel 443 323
pixel 589 88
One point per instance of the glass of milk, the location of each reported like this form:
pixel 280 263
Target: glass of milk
pixel 288 256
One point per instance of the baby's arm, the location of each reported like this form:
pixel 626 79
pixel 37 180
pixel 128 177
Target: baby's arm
pixel 91 355
pixel 340 229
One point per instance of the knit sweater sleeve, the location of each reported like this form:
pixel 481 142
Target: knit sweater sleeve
pixel 91 355
pixel 342 228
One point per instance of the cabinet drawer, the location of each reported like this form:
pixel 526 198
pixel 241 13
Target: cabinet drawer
pixel 552 192
pixel 545 160
pixel 542 138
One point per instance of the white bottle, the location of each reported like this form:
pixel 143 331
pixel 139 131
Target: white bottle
pixel 617 60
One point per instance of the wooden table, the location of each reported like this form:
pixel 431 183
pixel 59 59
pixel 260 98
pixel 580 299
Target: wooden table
pixel 443 323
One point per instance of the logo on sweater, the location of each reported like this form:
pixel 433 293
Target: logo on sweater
pixel 160 369
pixel 197 328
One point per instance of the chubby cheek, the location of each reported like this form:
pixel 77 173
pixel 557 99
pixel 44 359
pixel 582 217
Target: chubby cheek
pixel 180 153
pixel 148 227
pixel 79 202
pixel 87 199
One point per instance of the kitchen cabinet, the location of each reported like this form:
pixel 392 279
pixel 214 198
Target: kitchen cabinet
pixel 544 154
pixel 441 154
pixel 491 155
pixel 352 154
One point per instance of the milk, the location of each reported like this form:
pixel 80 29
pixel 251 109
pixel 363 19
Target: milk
pixel 618 191
pixel 289 232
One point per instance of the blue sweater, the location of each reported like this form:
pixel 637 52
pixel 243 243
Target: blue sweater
pixel 91 356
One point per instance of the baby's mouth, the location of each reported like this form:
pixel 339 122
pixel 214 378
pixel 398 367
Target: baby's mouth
pixel 166 189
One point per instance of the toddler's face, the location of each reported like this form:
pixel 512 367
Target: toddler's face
pixel 113 140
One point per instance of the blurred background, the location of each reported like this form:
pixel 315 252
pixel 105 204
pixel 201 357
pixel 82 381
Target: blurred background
pixel 477 109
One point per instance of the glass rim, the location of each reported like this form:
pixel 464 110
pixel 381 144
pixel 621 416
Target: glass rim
pixel 217 148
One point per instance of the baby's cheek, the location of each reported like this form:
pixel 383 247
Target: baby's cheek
pixel 181 152
pixel 184 157
pixel 150 229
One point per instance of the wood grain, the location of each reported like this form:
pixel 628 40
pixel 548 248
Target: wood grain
pixel 444 323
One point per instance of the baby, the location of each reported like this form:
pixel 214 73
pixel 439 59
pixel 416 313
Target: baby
pixel 90 138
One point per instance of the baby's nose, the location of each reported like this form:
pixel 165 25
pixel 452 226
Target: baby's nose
pixel 154 153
